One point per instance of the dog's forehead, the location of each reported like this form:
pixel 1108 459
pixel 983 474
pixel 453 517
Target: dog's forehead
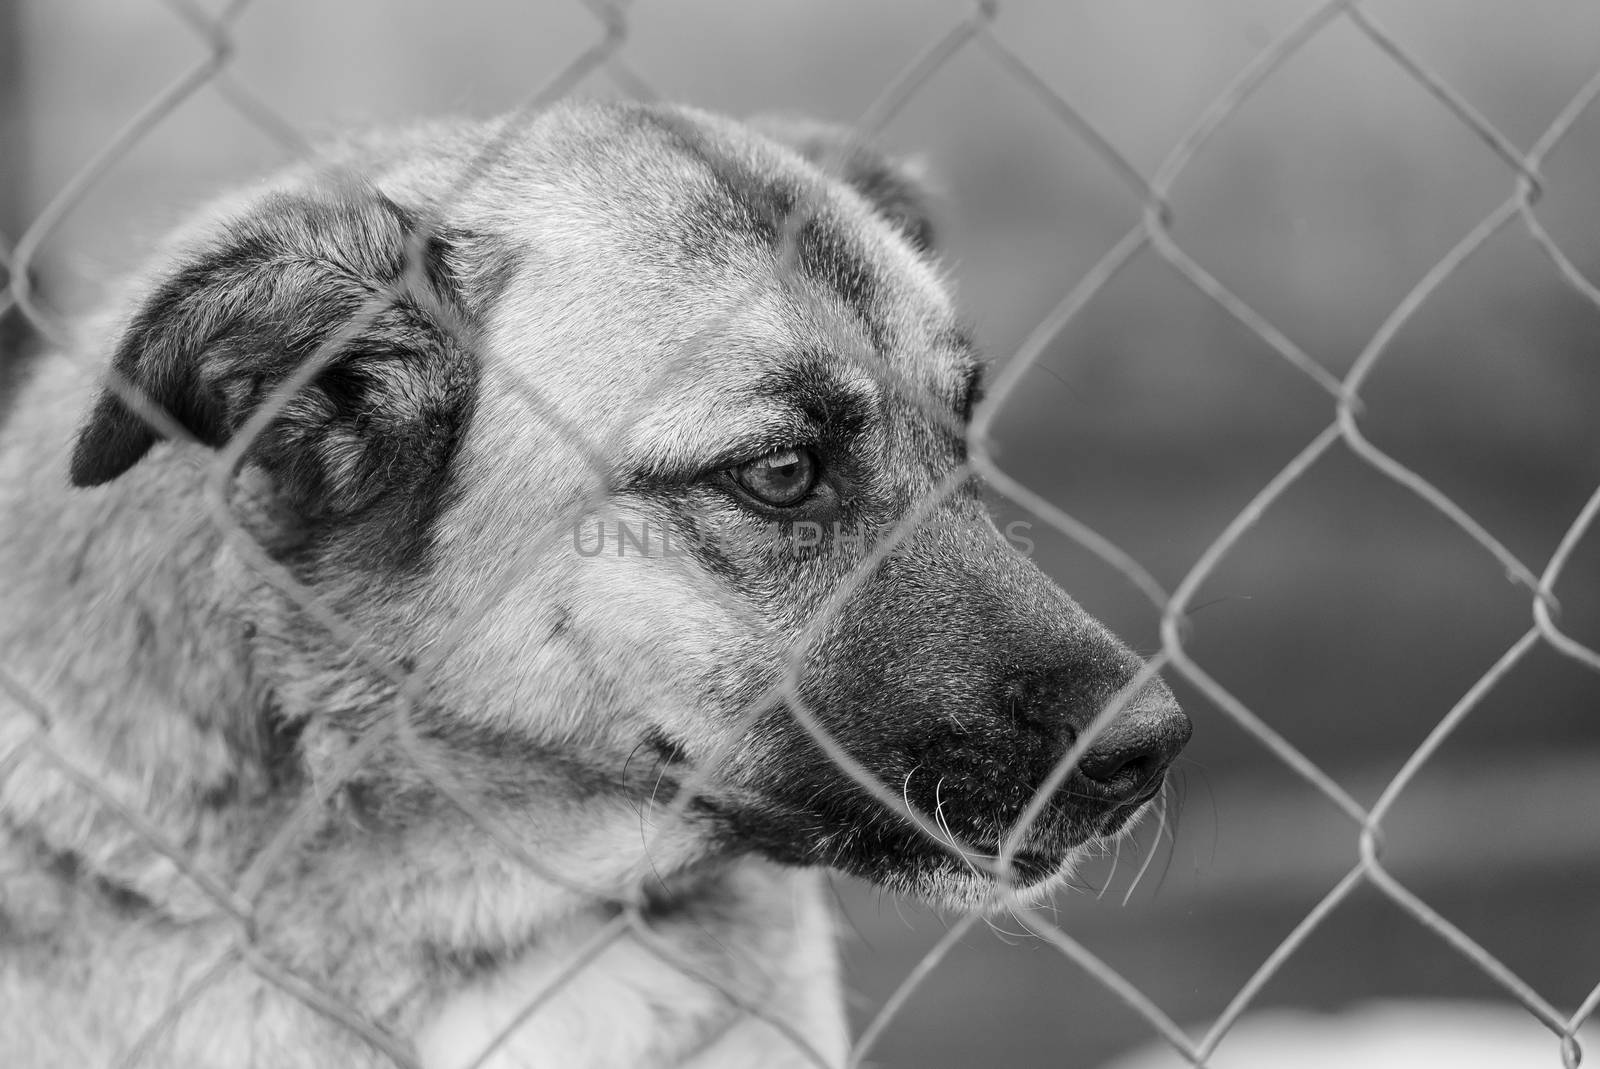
pixel 668 245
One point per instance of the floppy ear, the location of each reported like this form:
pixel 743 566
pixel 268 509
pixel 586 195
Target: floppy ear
pixel 344 277
pixel 894 186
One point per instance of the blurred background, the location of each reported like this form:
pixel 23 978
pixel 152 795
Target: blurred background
pixel 1350 619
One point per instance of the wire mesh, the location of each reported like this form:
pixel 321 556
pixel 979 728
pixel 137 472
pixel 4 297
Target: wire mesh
pixel 977 32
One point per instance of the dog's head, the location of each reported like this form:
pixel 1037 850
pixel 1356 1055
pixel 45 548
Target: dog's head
pixel 641 435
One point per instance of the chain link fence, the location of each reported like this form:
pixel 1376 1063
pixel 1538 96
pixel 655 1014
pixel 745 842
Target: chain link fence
pixel 977 33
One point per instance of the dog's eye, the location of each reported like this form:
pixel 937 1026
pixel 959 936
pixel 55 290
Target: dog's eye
pixel 779 479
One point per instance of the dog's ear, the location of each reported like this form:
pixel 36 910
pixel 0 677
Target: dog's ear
pixel 343 277
pixel 896 187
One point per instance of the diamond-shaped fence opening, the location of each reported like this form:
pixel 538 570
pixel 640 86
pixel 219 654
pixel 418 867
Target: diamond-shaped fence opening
pixel 1354 866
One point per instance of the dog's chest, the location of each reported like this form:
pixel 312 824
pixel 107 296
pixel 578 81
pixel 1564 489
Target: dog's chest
pixel 568 1006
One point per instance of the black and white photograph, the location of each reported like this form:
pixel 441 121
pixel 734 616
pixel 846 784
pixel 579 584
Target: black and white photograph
pixel 799 534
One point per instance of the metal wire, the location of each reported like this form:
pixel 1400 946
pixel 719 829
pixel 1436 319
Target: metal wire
pixel 976 33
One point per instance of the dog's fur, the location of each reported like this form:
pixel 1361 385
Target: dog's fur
pixel 597 315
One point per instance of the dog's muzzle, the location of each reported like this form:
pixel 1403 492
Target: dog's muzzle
pixel 962 677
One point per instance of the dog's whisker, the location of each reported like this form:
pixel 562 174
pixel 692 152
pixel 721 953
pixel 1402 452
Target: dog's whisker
pixel 1115 849
pixel 1173 817
pixel 1005 935
pixel 1155 846
pixel 938 812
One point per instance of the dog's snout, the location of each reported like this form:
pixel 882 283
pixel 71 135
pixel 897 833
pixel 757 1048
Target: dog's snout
pixel 1128 759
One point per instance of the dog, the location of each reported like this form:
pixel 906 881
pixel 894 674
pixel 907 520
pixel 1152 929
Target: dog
pixel 452 504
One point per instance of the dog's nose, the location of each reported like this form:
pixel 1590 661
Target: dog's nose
pixel 1128 759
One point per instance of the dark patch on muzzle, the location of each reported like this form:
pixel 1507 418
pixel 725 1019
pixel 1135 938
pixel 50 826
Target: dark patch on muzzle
pixel 959 675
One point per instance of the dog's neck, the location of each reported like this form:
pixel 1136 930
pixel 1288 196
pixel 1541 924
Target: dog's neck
pixel 139 698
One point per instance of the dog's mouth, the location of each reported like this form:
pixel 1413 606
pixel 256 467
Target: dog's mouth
pixel 938 873
pixel 1031 868
pixel 950 856
pixel 1047 860
pixel 857 836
